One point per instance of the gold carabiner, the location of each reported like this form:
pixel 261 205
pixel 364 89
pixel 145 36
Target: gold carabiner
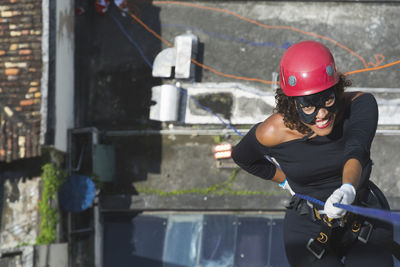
pixel 323 238
pixel 355 227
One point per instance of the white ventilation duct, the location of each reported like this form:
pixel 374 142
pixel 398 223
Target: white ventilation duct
pixel 166 107
pixel 163 63
pixel 186 49
pixel 180 57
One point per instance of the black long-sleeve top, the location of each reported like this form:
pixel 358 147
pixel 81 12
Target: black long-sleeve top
pixel 314 166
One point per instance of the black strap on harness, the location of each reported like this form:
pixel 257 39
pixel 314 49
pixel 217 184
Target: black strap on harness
pixel 362 230
pixel 318 245
pixel 381 201
pixel 322 242
pixel 348 229
pixel 396 250
pixel 352 227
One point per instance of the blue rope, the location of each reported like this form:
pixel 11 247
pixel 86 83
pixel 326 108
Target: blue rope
pixel 135 44
pixel 383 215
pixel 312 200
pixel 227 124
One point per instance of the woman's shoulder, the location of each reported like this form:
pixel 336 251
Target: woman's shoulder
pixel 273 131
pixel 361 105
pixel 358 96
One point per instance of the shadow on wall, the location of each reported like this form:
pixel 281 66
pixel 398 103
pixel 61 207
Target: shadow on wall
pixel 113 80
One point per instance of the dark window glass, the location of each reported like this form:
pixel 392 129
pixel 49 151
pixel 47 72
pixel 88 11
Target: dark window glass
pixel 218 240
pixel 252 242
pixel 177 240
pixel 133 241
pixel 182 241
pixel 277 251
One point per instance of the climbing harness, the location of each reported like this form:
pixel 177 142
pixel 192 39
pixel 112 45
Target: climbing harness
pixel 353 226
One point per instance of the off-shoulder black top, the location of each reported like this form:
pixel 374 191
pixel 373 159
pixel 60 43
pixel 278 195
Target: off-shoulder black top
pixel 313 166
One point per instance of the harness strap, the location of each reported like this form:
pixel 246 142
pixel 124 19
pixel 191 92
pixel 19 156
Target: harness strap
pixel 315 248
pixel 365 232
pixel 318 245
pixel 352 226
pixel 396 250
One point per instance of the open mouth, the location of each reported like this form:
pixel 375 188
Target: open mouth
pixel 321 124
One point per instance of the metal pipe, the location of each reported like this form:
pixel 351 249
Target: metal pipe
pixel 116 133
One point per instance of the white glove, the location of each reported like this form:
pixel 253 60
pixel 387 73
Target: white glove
pixel 285 185
pixel 343 195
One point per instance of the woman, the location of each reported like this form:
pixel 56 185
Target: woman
pixel 321 137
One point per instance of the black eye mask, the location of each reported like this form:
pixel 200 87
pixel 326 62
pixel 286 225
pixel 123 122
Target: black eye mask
pixel 317 100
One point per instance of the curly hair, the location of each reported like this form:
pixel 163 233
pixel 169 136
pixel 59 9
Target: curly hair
pixel 286 106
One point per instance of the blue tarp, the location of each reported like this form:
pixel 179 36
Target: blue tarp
pixel 77 193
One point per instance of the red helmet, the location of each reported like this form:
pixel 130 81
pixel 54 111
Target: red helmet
pixel 307 68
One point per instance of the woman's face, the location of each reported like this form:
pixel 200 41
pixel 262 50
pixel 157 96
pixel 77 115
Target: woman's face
pixel 318 111
pixel 324 122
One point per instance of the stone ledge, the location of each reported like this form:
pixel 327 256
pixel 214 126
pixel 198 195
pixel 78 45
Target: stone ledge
pixel 125 203
pixel 192 202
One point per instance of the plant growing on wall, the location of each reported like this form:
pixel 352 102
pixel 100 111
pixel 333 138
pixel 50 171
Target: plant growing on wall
pixel 52 178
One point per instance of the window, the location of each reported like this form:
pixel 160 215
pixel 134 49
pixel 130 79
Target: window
pixel 196 239
pixel 206 240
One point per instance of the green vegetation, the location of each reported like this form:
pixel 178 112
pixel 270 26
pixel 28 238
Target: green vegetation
pixel 23 244
pixel 217 189
pixel 218 139
pixel 52 178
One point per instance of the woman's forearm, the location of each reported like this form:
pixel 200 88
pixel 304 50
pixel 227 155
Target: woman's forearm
pixel 279 176
pixel 352 172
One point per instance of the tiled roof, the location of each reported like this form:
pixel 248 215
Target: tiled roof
pixel 20 75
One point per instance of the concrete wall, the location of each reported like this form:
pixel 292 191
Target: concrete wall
pixel 54 255
pixel 64 96
pixel 239 40
pixel 19 205
pixel 247 38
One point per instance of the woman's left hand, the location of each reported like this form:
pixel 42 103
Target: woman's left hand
pixel 285 185
pixel 343 195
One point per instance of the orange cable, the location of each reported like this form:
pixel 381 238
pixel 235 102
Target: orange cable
pixel 371 69
pixel 230 75
pixel 265 25
pixel 149 29
pixel 196 62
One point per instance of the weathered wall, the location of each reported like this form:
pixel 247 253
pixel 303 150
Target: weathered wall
pixel 20 216
pixel 20 76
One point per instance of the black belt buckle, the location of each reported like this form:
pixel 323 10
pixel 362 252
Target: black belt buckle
pixel 315 248
pixel 365 232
